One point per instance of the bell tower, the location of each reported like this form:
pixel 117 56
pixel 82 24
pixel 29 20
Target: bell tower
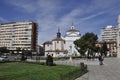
pixel 58 33
pixel 72 26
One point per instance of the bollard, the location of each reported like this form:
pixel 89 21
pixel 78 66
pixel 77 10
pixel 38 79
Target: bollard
pixel 82 65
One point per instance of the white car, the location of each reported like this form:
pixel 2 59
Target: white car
pixel 4 58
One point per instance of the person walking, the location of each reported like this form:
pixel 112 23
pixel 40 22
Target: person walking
pixel 100 59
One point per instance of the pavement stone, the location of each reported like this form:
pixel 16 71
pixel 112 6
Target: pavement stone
pixel 109 71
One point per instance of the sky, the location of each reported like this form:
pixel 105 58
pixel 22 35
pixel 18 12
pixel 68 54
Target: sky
pixel 87 15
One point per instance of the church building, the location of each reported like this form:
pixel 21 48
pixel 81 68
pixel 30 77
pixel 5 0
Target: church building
pixel 56 47
pixel 70 36
pixel 60 47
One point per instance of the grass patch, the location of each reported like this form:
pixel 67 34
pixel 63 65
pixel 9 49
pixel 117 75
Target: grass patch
pixel 25 71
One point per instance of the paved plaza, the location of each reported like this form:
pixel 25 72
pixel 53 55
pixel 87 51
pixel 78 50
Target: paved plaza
pixel 109 71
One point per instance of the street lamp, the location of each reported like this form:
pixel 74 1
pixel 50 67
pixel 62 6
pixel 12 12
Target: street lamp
pixel 70 53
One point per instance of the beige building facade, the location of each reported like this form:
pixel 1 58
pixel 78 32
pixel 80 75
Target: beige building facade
pixel 18 35
pixel 111 45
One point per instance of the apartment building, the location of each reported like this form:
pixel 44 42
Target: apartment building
pixel 109 33
pixel 118 37
pixel 18 35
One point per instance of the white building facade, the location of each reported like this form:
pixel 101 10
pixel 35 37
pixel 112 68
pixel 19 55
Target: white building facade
pixel 60 47
pixel 109 33
pixel 112 34
pixel 56 47
pixel 70 37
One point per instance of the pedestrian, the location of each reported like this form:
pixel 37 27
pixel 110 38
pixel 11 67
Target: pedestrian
pixel 100 59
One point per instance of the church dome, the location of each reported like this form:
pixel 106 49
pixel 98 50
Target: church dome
pixel 72 32
pixel 72 29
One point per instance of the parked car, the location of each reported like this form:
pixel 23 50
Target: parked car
pixel 4 58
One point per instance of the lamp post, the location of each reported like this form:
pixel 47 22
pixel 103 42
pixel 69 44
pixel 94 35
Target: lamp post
pixel 70 52
pixel 118 44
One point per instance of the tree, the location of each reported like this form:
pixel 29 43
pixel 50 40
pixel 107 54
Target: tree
pixel 18 49
pixel 23 55
pixel 86 42
pixel 97 50
pixel 3 50
pixel 104 49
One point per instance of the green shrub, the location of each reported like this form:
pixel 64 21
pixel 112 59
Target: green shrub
pixel 74 57
pixel 49 60
pixel 23 58
pixel 42 63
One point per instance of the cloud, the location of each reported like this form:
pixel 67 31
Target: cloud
pixel 92 16
pixel 82 17
pixel 23 5
pixel 2 20
pixel 51 14
pixel 49 6
pixel 104 4
pixel 46 36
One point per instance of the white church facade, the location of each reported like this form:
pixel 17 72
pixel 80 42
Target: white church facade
pixel 70 36
pixel 60 47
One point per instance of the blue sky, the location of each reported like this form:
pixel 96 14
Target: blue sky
pixel 87 15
